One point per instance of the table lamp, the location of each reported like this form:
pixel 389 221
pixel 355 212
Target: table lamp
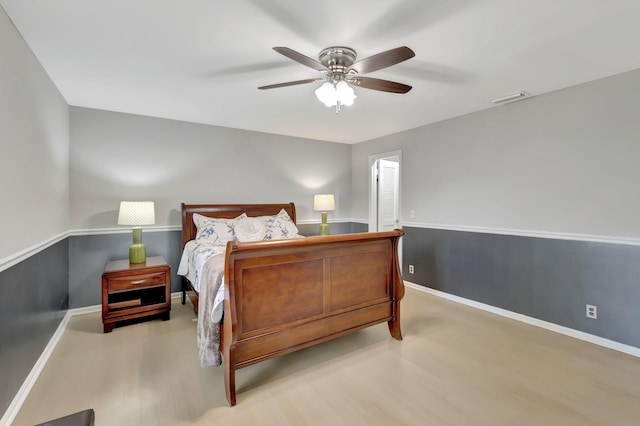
pixel 137 213
pixel 324 203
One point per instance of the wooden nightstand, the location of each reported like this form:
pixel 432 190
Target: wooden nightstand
pixel 135 290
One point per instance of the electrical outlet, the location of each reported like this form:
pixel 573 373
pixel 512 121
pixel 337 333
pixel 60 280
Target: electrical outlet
pixel 412 213
pixel 592 311
pixel 411 269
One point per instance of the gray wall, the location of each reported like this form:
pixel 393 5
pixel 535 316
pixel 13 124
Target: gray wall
pixel 557 169
pixel 544 278
pixel 34 148
pixel 33 300
pixel 90 253
pixel 34 176
pixel 117 157
pixel 310 229
pixel 562 162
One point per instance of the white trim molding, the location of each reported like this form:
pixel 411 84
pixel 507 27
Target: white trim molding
pixel 122 230
pixel 9 261
pixel 528 233
pixel 620 347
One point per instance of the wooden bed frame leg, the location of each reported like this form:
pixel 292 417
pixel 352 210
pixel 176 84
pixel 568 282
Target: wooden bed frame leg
pixel 184 290
pixel 230 381
pixel 394 324
pixel 398 294
pixel 228 341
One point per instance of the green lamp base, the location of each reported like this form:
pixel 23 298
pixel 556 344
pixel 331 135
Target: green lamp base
pixel 137 250
pixel 324 226
pixel 137 253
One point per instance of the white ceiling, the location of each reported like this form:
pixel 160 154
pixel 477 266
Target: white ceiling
pixel 202 61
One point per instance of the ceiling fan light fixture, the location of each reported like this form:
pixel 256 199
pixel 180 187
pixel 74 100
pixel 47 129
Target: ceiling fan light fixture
pixel 327 94
pixel 331 94
pixel 345 93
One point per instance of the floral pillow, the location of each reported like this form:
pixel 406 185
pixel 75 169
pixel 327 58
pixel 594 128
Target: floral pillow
pixel 250 229
pixel 279 226
pixel 215 230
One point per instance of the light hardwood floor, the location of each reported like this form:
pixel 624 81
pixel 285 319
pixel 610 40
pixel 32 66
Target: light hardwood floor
pixel 456 366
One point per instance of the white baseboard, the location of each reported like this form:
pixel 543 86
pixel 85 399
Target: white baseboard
pixel 23 392
pixel 28 383
pixel 630 350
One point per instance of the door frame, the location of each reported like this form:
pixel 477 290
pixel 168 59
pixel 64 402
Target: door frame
pixel 373 187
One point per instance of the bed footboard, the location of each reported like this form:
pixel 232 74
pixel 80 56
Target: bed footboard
pixel 285 295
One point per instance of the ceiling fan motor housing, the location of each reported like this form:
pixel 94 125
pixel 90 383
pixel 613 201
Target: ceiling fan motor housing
pixel 337 59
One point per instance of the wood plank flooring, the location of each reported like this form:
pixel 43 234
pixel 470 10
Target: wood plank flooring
pixel 456 366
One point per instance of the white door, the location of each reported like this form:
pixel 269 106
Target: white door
pixel 388 188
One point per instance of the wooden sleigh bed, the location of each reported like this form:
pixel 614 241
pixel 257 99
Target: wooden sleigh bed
pixel 285 295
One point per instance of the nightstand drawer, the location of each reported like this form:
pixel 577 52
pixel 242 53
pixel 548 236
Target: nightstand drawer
pixel 133 282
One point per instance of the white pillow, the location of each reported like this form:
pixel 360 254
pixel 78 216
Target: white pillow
pixel 279 226
pixel 215 230
pixel 250 229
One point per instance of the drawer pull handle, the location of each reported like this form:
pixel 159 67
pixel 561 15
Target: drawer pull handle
pixel 137 282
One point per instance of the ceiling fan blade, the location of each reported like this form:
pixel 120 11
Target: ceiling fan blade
pixel 289 83
pixel 300 58
pixel 378 84
pixel 382 60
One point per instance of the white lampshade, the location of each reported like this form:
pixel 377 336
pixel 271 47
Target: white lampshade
pixel 324 202
pixel 136 213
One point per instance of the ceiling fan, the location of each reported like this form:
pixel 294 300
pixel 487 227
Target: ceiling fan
pixel 340 70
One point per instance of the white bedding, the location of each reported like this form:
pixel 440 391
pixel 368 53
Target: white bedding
pixel 194 257
pixel 203 265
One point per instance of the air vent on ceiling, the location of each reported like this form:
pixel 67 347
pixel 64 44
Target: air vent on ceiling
pixel 510 98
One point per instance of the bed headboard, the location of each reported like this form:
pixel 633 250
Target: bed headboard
pixel 228 211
